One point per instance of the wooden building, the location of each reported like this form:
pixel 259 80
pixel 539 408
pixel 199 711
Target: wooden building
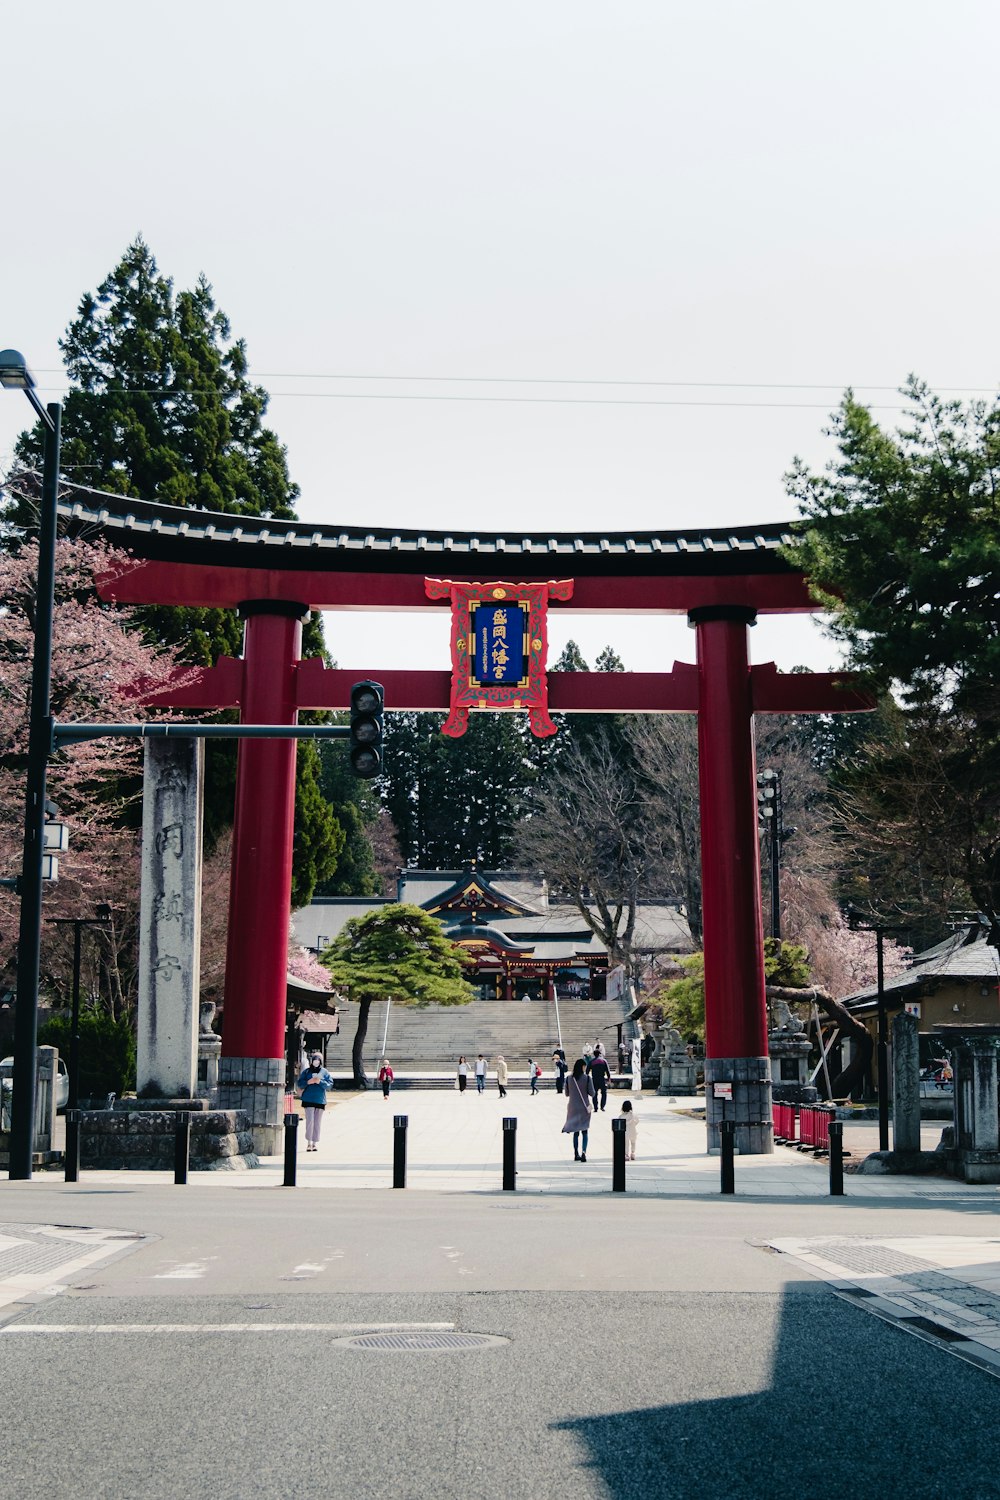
pixel 957 982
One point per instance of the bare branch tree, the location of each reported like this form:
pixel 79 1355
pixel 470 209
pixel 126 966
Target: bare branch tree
pixel 591 835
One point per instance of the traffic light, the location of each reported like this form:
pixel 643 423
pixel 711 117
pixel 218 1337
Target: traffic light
pixel 366 729
pixel 769 802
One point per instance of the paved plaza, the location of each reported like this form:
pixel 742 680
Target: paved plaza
pixel 455 1145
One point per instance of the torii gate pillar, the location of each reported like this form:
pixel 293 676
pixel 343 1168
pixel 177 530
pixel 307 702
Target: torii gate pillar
pixel 735 1004
pixel 252 1064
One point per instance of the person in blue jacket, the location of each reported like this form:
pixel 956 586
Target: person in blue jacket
pixel 314 1082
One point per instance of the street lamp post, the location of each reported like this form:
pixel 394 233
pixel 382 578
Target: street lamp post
pixel 15 375
pixel 770 819
pixel 882 1036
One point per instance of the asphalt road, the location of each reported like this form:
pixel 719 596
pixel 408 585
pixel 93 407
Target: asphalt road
pixel 652 1348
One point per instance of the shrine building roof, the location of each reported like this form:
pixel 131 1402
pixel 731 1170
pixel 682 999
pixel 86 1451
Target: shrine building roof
pixel 967 956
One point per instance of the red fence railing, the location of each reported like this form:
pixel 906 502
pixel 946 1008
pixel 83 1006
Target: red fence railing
pixel 814 1126
pixel 784 1123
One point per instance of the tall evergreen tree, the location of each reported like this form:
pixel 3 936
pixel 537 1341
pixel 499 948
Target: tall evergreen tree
pixel 358 810
pixel 582 730
pixel 162 407
pixel 452 800
pixel 900 541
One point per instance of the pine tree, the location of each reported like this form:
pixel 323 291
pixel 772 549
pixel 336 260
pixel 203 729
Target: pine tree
pixel 900 542
pixel 398 952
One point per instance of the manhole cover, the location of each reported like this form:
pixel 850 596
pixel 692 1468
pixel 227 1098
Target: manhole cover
pixel 421 1343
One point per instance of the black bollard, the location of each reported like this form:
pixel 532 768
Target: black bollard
pixel 399 1127
pixel 618 1127
pixel 182 1147
pixel 728 1132
pixel 72 1154
pixel 836 1159
pixel 509 1153
pixel 291 1148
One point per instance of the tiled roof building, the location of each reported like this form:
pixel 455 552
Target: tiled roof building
pixel 525 944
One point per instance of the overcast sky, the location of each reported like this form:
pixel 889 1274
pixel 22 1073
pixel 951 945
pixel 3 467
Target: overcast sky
pixel 691 225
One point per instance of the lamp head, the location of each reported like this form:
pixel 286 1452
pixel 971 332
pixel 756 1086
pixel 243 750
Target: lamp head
pixel 14 372
pixel 103 911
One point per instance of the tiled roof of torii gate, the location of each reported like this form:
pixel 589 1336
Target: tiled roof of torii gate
pixel 183 534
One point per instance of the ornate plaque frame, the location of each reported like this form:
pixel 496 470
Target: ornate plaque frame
pixel 531 692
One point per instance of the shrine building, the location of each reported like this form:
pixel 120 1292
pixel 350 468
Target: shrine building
pixel 526 946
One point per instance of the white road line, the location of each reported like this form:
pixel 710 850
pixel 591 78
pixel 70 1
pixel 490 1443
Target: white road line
pixel 334 1328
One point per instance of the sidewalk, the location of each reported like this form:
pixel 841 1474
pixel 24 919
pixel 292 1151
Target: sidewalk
pixel 455 1145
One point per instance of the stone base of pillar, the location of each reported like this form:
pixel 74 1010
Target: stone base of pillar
pixel 257 1086
pixel 677 1077
pixel 750 1105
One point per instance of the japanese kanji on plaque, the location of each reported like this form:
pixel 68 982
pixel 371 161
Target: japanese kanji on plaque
pixel 499 642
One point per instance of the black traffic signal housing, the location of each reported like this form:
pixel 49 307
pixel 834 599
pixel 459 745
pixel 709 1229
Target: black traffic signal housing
pixel 367 704
pixel 769 802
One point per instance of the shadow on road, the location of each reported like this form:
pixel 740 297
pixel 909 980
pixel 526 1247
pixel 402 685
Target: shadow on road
pixel 853 1406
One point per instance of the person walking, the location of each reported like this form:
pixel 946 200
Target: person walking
pixel 480 1073
pixel 579 1108
pixel 588 1053
pixel 314 1082
pixel 534 1073
pixel 463 1074
pixel 501 1076
pixel 561 1067
pixel 631 1129
pixel 599 1074
pixel 385 1077
pixel 622 1056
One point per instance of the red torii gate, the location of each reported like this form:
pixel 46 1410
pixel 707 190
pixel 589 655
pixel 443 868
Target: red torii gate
pixel 720 580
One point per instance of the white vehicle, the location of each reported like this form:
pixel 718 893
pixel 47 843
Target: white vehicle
pixel 7 1084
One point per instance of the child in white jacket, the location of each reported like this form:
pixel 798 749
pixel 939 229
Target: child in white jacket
pixel 631 1129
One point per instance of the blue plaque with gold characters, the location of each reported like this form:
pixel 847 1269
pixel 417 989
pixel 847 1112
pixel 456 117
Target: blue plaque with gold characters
pixel 499 631
pixel 498 646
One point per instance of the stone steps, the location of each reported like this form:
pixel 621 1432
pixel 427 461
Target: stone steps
pixel 434 1038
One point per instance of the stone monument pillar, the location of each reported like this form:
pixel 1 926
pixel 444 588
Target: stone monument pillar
pixel 975 1147
pixel 170 919
pixel 905 1084
pixel 788 1048
pixel 678 1070
pixel 209 1047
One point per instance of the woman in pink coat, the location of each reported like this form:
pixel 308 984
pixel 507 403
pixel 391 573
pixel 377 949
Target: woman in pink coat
pixel 579 1108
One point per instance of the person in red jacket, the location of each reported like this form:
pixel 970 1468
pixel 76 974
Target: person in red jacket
pixel 385 1077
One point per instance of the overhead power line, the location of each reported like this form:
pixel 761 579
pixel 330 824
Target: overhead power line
pixel 735 385
pixel 181 395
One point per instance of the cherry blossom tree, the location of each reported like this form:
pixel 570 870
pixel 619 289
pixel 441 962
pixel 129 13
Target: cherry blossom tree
pixel 99 658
